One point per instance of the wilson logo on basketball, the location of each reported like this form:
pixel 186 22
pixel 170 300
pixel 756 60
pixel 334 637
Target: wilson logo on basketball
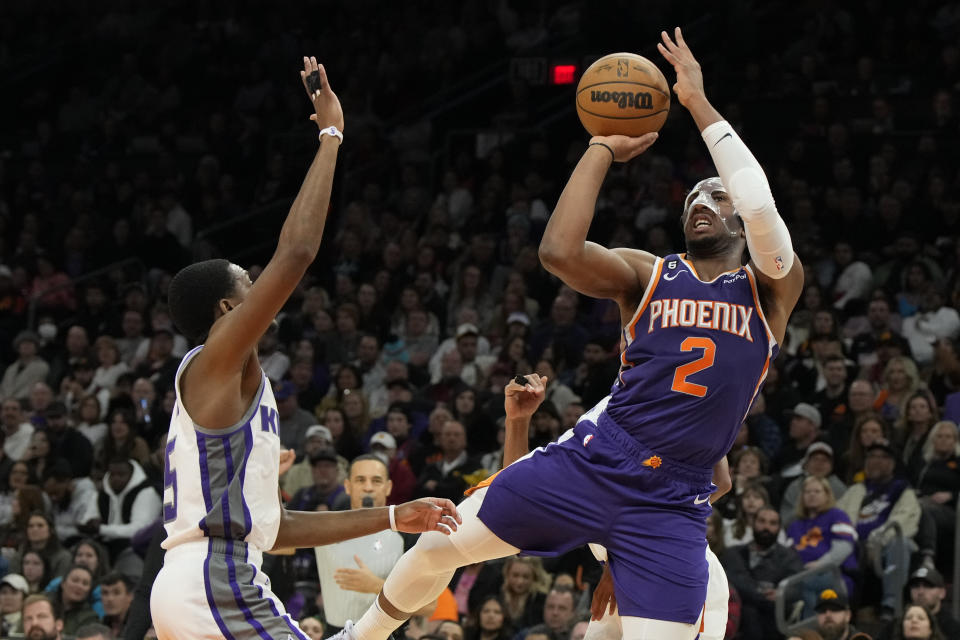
pixel 624 99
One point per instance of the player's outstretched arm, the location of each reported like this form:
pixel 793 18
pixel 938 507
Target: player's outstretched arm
pixel 232 339
pixel 587 267
pixel 771 250
pixel 302 529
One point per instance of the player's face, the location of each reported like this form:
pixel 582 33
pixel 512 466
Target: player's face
pixel 708 212
pixel 368 478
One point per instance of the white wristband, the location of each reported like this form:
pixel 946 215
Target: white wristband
pixel 331 131
pixel 392 509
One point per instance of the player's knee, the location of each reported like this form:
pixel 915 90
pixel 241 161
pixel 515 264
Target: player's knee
pixel 435 554
pixel 750 191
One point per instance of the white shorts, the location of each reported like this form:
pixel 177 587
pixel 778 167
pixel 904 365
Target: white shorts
pixel 214 589
pixel 715 609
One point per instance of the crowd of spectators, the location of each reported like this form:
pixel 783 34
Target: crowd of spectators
pixel 137 132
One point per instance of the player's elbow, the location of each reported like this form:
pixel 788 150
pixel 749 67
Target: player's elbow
pixel 750 192
pixel 553 255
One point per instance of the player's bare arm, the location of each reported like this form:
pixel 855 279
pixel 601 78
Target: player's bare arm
pixel 778 269
pixel 302 529
pixel 222 380
pixel 593 270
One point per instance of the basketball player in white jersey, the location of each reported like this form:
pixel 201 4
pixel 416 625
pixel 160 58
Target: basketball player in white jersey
pixel 221 500
pixel 522 397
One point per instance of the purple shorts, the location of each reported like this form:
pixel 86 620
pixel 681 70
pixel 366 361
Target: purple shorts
pixel 600 485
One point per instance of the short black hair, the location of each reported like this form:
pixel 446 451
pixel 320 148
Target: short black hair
pixel 368 456
pixel 116 577
pixel 194 294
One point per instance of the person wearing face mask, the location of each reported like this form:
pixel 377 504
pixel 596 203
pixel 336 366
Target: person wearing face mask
pixel 755 569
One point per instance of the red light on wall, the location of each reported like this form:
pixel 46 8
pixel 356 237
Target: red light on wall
pixel 562 73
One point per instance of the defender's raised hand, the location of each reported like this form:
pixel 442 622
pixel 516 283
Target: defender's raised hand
pixel 689 85
pixel 325 101
pixel 521 400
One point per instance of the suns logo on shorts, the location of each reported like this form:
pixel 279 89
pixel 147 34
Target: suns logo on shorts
pixel 653 462
pixel 587 438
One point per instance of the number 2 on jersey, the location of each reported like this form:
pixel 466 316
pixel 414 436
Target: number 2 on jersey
pixel 680 384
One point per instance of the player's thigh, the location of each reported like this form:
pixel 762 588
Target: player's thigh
pixel 635 628
pixel 718 598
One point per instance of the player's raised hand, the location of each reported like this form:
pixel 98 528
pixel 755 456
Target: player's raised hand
pixel 625 148
pixel 325 101
pixel 427 514
pixel 287 458
pixel 689 85
pixel 521 400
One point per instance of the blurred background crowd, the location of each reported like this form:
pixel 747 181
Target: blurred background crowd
pixel 142 136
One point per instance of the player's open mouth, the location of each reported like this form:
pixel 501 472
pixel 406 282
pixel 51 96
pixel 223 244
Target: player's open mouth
pixel 701 221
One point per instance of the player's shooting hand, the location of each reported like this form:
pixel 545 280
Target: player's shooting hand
pixel 427 514
pixel 603 596
pixel 521 401
pixel 624 147
pixel 361 579
pixel 287 458
pixel 325 101
pixel 689 85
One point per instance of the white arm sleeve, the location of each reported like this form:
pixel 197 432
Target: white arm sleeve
pixel 767 237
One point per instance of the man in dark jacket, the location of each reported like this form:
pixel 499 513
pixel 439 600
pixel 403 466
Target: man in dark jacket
pixel 755 569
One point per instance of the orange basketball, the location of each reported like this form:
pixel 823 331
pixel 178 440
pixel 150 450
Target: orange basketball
pixel 622 93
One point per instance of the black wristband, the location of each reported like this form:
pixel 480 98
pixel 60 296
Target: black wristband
pixel 520 380
pixel 313 82
pixel 607 147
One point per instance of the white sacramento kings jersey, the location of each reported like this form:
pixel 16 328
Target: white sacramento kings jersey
pixel 222 483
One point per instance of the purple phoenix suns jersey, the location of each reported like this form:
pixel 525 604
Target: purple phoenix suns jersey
pixel 696 355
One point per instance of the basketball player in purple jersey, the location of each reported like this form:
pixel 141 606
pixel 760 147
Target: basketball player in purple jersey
pixel 221 507
pixel 634 474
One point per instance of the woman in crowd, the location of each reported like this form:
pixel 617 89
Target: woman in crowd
pixel 490 621
pixel 920 414
pixel 89 420
pixel 74 596
pixel 111 366
pixel 938 482
pixel 347 379
pixel 823 537
pixel 18 477
pixel 354 407
pixel 900 380
pixel 38 456
pixel 90 554
pixel 41 536
pixel 524 589
pixel 866 430
pixel 122 441
pixel 917 624
pixel 312 626
pixel 481 432
pixel 36 571
pixel 739 530
pixel 344 440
